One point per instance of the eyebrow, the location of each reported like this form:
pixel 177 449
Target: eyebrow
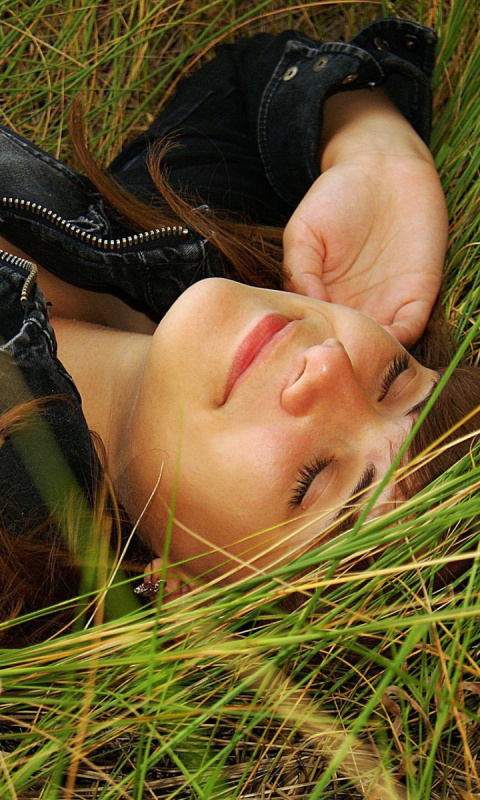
pixel 418 408
pixel 350 512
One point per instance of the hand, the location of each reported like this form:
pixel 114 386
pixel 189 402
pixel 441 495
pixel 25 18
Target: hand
pixel 371 231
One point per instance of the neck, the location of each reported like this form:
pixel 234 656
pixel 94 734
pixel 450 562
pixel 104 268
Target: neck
pixel 106 366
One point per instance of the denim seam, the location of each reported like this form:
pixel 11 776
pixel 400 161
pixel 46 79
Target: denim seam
pixel 76 179
pixel 292 51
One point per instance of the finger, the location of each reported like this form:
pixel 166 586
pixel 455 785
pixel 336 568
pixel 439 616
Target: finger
pixel 309 284
pixel 404 334
pixel 410 322
pixel 303 259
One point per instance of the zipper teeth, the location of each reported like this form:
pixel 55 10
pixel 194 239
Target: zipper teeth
pixel 88 238
pixel 28 266
pixel 24 263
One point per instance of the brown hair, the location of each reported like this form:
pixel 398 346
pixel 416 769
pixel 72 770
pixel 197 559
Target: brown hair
pixel 42 562
pixel 454 420
pixel 35 565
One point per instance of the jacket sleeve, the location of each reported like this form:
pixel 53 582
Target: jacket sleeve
pixel 248 123
pixel 288 114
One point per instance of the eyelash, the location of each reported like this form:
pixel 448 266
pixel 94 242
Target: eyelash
pixel 399 364
pixel 309 472
pixel 306 476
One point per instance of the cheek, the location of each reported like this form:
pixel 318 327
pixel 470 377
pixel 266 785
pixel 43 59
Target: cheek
pixel 236 478
pixel 232 501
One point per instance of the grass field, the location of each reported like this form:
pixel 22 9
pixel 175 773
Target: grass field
pixel 370 689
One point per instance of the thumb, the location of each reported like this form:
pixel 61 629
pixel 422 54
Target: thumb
pixel 409 322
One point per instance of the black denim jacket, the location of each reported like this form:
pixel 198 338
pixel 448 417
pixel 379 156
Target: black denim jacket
pixel 249 122
pixel 48 452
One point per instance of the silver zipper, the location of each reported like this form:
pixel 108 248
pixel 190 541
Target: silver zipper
pixel 28 266
pixel 98 242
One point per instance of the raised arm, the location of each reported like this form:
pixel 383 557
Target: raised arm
pixel 256 126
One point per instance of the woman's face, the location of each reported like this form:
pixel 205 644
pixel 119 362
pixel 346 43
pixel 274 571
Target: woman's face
pixel 260 408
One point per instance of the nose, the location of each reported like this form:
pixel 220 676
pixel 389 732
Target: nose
pixel 327 380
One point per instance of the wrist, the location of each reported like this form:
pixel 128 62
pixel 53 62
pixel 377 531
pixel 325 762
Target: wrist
pixel 366 123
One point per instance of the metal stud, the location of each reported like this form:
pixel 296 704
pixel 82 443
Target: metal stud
pixel 290 73
pixel 320 63
pixel 381 44
pixel 411 42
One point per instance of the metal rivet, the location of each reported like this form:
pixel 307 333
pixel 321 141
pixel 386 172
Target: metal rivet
pixel 350 78
pixel 411 42
pixel 290 73
pixel 320 63
pixel 381 44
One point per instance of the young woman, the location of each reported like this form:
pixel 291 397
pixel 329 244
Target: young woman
pixel 245 409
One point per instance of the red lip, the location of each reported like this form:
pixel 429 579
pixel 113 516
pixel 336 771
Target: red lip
pixel 253 344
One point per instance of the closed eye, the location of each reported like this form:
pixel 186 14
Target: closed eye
pixel 400 363
pixel 418 408
pixel 306 476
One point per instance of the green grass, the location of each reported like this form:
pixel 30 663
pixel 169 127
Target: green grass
pixel 221 694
